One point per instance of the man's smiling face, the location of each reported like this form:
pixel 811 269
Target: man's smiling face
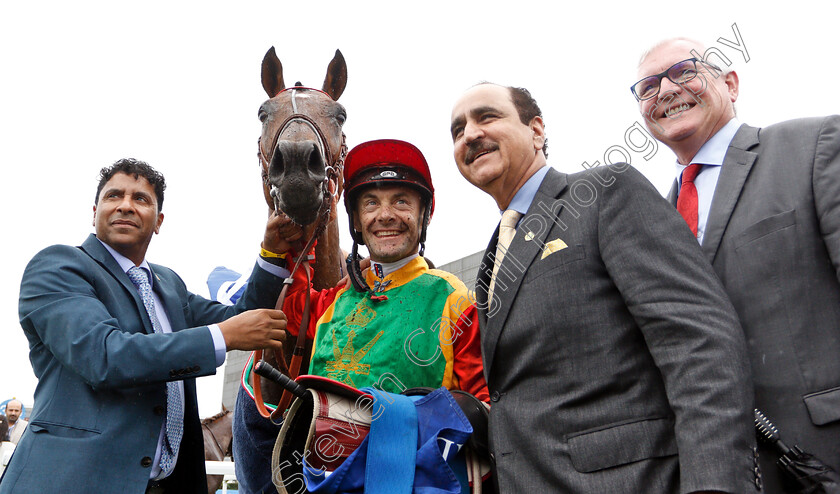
pixel 126 215
pixel 493 148
pixel 389 218
pixel 685 116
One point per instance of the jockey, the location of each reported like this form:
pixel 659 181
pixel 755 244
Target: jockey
pixel 397 324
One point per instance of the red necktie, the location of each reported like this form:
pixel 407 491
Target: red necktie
pixel 687 200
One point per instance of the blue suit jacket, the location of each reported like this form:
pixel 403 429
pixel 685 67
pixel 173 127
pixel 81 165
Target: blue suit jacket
pixel 100 400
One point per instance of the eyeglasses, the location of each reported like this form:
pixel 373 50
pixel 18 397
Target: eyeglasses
pixel 679 73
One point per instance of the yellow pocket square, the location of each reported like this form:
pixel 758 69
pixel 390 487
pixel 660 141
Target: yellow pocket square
pixel 553 247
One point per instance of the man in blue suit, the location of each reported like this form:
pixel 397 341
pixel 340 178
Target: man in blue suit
pixel 116 344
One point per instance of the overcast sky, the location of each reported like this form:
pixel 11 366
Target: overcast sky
pixel 177 84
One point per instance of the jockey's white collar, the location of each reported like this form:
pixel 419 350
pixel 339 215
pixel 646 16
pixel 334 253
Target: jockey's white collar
pixel 383 269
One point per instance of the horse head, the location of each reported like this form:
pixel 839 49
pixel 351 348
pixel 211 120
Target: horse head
pixel 302 146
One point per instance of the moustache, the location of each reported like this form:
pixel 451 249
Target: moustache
pixel 475 148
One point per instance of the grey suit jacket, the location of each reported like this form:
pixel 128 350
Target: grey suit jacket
pixel 616 363
pixel 773 238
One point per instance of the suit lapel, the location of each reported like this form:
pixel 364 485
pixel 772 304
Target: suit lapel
pixel 672 194
pixel 170 300
pixel 736 167
pixel 528 242
pixel 100 254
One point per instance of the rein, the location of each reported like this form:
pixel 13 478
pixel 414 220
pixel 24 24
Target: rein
pixel 329 189
pixel 215 439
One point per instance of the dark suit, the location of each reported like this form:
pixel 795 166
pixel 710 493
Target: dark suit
pixel 100 400
pixel 615 364
pixel 773 238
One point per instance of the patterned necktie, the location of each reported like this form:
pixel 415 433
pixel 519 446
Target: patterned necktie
pixel 174 409
pixel 687 200
pixel 507 230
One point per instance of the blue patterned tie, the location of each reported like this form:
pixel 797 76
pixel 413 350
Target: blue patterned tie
pixel 174 410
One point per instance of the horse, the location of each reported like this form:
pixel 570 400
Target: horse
pixel 301 151
pixel 218 437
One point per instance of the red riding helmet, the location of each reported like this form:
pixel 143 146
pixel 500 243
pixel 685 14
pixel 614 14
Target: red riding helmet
pixel 379 163
pixel 385 162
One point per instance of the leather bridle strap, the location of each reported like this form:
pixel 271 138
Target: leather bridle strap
pixel 292 370
pixel 215 440
pixel 297 356
pixel 330 189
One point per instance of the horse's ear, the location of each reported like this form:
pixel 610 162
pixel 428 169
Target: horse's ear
pixel 272 73
pixel 336 78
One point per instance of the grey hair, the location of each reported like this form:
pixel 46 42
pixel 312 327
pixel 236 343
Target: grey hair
pixel 700 47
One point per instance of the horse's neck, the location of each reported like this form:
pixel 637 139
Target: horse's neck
pixel 328 258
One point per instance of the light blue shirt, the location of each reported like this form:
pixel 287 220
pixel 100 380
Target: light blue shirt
pixel 711 155
pixel 525 195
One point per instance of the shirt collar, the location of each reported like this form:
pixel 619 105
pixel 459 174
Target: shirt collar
pixel 525 195
pixel 126 263
pixel 714 150
pixel 415 266
pixel 383 269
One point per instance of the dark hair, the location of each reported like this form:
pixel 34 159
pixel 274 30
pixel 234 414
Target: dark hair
pixel 527 108
pixel 131 166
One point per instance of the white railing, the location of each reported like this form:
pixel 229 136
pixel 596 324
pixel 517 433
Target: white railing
pixel 221 468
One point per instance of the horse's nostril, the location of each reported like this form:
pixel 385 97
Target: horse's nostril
pixel 277 165
pixel 316 161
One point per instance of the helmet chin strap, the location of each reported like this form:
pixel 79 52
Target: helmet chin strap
pixel 354 271
pixel 426 218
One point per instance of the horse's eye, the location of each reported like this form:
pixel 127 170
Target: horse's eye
pixel 341 117
pixel 262 114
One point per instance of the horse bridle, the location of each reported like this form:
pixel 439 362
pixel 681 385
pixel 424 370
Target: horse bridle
pixel 329 188
pixel 331 170
pixel 215 439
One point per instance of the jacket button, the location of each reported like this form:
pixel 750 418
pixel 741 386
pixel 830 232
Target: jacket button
pixel 158 410
pixel 146 462
pixel 495 396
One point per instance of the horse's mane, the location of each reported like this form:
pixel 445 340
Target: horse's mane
pixel 219 415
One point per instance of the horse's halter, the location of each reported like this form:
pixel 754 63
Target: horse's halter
pixel 329 190
pixel 331 170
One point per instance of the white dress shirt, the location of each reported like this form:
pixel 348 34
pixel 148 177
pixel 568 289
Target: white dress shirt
pixel 711 155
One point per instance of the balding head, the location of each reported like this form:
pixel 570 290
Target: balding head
pixel 681 109
pixel 13 411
